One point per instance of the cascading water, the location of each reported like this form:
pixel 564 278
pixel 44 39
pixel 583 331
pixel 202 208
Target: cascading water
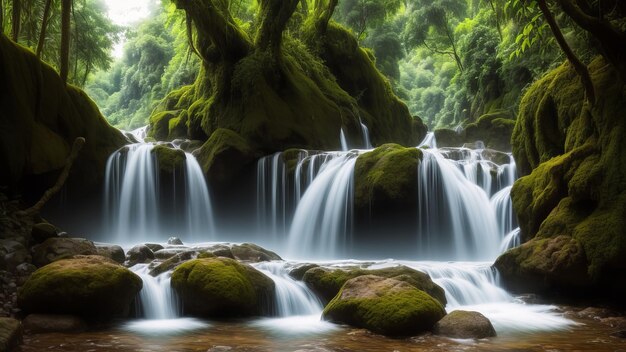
pixel 159 306
pixel 133 203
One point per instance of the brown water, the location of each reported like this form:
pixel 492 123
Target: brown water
pixel 591 335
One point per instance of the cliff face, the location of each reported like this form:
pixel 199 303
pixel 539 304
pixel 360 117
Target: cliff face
pixel 571 201
pixel 39 119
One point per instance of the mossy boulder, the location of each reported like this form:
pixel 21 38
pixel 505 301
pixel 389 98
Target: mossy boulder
pixel 224 156
pixel 463 324
pixel 92 287
pixel 252 253
pixel 173 262
pixel 448 138
pixel 385 306
pixel 43 117
pixel 570 154
pixel 297 273
pixel 139 254
pixel 326 283
pixel 42 231
pixel 222 288
pixel 59 248
pixel 169 159
pixel 546 265
pixel 10 334
pixel 493 129
pixel 385 179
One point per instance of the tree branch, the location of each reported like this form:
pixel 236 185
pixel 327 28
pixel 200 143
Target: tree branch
pixel 274 17
pixel 76 147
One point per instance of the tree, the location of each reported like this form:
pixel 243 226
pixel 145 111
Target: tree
pixel 16 20
pixel 44 27
pixel 362 15
pixel 66 9
pixel 431 24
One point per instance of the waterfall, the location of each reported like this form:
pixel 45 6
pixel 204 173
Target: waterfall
pixel 292 297
pixel 156 297
pixel 159 307
pixel 365 133
pixel 322 220
pixel 134 207
pixel 511 240
pixel 456 220
pixel 344 142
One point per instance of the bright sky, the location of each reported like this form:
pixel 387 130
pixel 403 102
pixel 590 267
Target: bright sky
pixel 127 13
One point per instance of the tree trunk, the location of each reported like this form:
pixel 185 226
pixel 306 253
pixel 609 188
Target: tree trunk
pixel 274 17
pixel 2 16
pixel 579 67
pixel 612 41
pixel 44 27
pixel 16 19
pixel 66 8
pixel 497 18
pixel 323 11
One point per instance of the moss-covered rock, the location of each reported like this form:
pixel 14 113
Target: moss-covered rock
pixel 463 324
pixel 494 130
pixel 448 138
pixel 41 118
pixel 10 334
pixel 385 306
pixel 222 288
pixel 571 154
pixel 92 287
pixel 224 156
pixel 385 178
pixel 326 283
pixel 169 159
pixel 252 253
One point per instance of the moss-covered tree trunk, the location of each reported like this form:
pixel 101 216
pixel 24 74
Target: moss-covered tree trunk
pixel 16 20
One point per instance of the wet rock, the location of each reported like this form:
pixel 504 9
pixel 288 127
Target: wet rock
pixel 42 231
pixel 92 287
pixel 139 254
pixel 54 249
pixel 173 262
pixel 10 334
pixel 465 325
pixel 385 306
pixel 596 313
pixel 39 323
pixel 154 247
pixel 222 288
pixel 253 253
pixel 326 283
pixel 174 241
pixel 219 250
pixel 619 334
pixel 111 251
pixel 12 254
pixel 169 252
pixel 297 273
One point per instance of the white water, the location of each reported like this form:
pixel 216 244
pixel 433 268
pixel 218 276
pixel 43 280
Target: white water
pixel 132 199
pixel 344 142
pixel 159 307
pixel 365 133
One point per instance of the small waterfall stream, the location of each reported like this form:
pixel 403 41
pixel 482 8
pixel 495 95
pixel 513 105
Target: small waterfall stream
pixel 134 208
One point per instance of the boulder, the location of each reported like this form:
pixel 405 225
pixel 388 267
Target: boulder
pixel 222 288
pixel 111 251
pixel 10 334
pixel 56 248
pixel 139 254
pixel 169 159
pixel 297 273
pixel 174 241
pixel 252 253
pixel 154 247
pixel 326 283
pixel 39 323
pixel 172 262
pixel 12 254
pixel 385 306
pixel 42 231
pixel 465 325
pixel 169 252
pixel 91 287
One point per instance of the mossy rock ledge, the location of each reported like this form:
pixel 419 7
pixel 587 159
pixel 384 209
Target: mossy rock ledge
pixel 327 283
pixel 385 306
pixel 571 200
pixel 222 288
pixel 92 287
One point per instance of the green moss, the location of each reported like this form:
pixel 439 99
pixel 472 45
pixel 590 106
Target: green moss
pixel 327 283
pixel 573 155
pixel 221 287
pixel 386 177
pixel 224 156
pixel 392 310
pixel 494 129
pixel 169 159
pixel 89 286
